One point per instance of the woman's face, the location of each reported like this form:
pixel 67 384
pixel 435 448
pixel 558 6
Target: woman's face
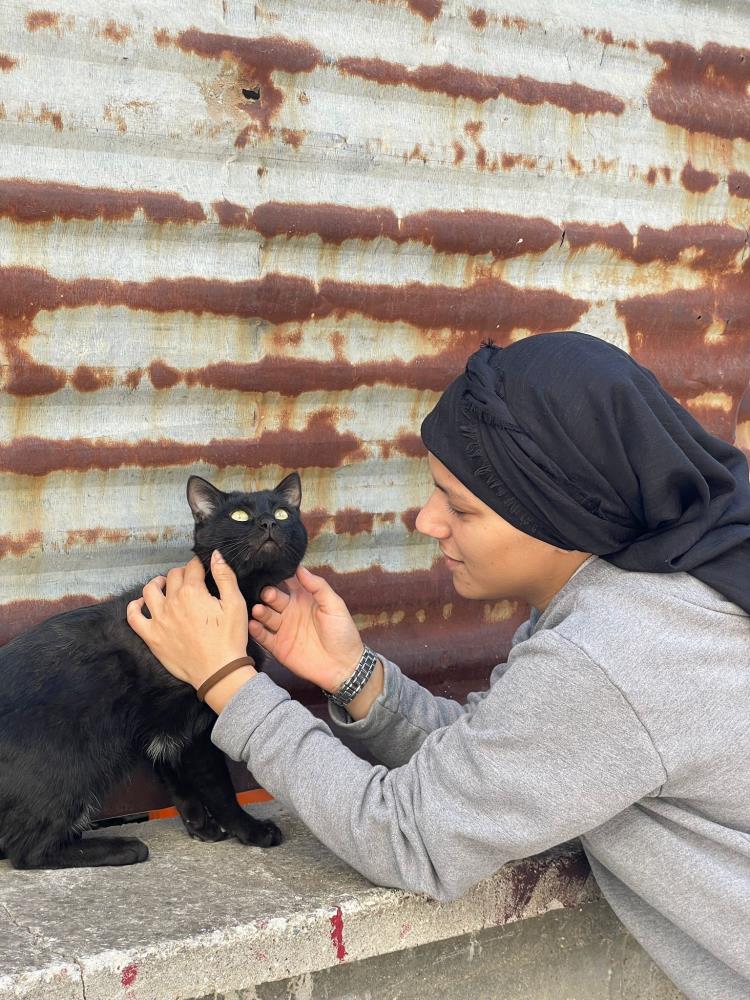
pixel 489 558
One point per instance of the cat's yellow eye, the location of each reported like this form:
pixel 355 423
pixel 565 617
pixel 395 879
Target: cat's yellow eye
pixel 240 515
pixel 280 514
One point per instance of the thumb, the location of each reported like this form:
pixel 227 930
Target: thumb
pixel 224 576
pixel 322 592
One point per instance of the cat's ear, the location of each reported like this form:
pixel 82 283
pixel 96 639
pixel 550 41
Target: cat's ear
pixel 291 489
pixel 203 498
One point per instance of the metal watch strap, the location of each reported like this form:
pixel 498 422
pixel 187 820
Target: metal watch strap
pixel 351 687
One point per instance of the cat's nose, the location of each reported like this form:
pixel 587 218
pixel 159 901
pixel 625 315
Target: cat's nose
pixel 266 522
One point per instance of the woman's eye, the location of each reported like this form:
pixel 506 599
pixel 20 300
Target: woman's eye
pixel 240 515
pixel 280 514
pixel 458 513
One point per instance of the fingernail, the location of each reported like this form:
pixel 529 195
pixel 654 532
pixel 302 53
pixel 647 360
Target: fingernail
pixel 217 556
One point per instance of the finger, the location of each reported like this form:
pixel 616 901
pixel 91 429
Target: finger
pixel 225 578
pixel 194 571
pixel 174 579
pixel 274 598
pixel 323 594
pixel 136 619
pixel 153 594
pixel 260 634
pixel 267 617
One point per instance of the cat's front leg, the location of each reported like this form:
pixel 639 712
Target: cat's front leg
pixel 196 819
pixel 203 791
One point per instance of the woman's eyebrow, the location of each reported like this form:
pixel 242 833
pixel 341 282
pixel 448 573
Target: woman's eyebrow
pixel 444 489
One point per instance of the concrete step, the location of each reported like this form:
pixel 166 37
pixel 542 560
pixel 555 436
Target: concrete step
pixel 207 920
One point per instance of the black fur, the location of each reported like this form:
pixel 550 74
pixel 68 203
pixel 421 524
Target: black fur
pixel 82 700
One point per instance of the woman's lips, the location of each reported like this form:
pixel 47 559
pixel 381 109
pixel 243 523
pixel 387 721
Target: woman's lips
pixel 450 560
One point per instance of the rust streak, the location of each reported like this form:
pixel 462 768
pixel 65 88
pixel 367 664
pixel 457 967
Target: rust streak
pixel 89 536
pixel 53 118
pixel 351 521
pixel 24 292
pixel 287 375
pixel 333 223
pixel 42 201
pixel 509 161
pixel 519 23
pixel 606 37
pixel 714 245
pixel 314 521
pixel 320 445
pixel 7 63
pixel 478 18
pixel 292 137
pixel 702 90
pixel 685 334
pixel 257 59
pixel 409 518
pixel 115 32
pixel 455 81
pixel 86 379
pixel 739 184
pixel 428 9
pixel 38 19
pixel 503 236
pixel 162 375
pixel 19 545
pixel 489 306
pixel 28 378
pixel 697 181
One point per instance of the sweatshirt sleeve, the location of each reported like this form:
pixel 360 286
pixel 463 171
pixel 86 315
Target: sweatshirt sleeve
pixel 402 717
pixel 551 752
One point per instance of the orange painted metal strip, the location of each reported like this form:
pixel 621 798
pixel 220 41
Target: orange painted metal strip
pixel 244 798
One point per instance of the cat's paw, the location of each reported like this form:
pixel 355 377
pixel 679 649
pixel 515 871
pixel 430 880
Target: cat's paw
pixel 259 834
pixel 207 830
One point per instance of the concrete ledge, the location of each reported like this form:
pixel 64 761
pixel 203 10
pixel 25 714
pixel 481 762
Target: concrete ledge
pixel 200 919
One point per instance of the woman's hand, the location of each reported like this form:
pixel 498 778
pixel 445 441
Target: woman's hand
pixel 309 630
pixel 192 633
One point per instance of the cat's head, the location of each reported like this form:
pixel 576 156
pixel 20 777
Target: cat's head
pixel 259 532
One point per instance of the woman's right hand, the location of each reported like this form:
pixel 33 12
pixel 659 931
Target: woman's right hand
pixel 309 630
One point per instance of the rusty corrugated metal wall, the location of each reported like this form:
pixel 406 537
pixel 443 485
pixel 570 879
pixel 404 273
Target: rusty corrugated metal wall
pixel 240 238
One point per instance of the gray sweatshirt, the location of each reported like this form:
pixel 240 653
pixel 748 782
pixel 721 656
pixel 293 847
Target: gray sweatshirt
pixel 621 717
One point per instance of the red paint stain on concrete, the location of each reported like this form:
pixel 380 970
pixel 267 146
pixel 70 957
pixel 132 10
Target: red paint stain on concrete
pixel 129 974
pixel 337 934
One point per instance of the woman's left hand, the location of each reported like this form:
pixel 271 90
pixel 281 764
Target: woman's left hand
pixel 190 632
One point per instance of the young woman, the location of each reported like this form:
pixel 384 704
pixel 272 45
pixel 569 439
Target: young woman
pixel 565 477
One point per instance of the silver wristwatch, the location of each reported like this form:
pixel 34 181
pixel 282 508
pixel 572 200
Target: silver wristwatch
pixel 351 687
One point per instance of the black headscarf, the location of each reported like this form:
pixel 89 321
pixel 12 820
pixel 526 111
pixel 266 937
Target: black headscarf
pixel 572 441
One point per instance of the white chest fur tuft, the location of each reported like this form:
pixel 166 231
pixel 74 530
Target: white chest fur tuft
pixel 165 748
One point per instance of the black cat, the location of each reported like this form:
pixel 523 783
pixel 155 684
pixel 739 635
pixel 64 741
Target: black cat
pixel 82 700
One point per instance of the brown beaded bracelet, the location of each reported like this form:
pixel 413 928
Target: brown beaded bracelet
pixel 243 661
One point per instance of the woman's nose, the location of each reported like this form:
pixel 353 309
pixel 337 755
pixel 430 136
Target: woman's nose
pixel 429 523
